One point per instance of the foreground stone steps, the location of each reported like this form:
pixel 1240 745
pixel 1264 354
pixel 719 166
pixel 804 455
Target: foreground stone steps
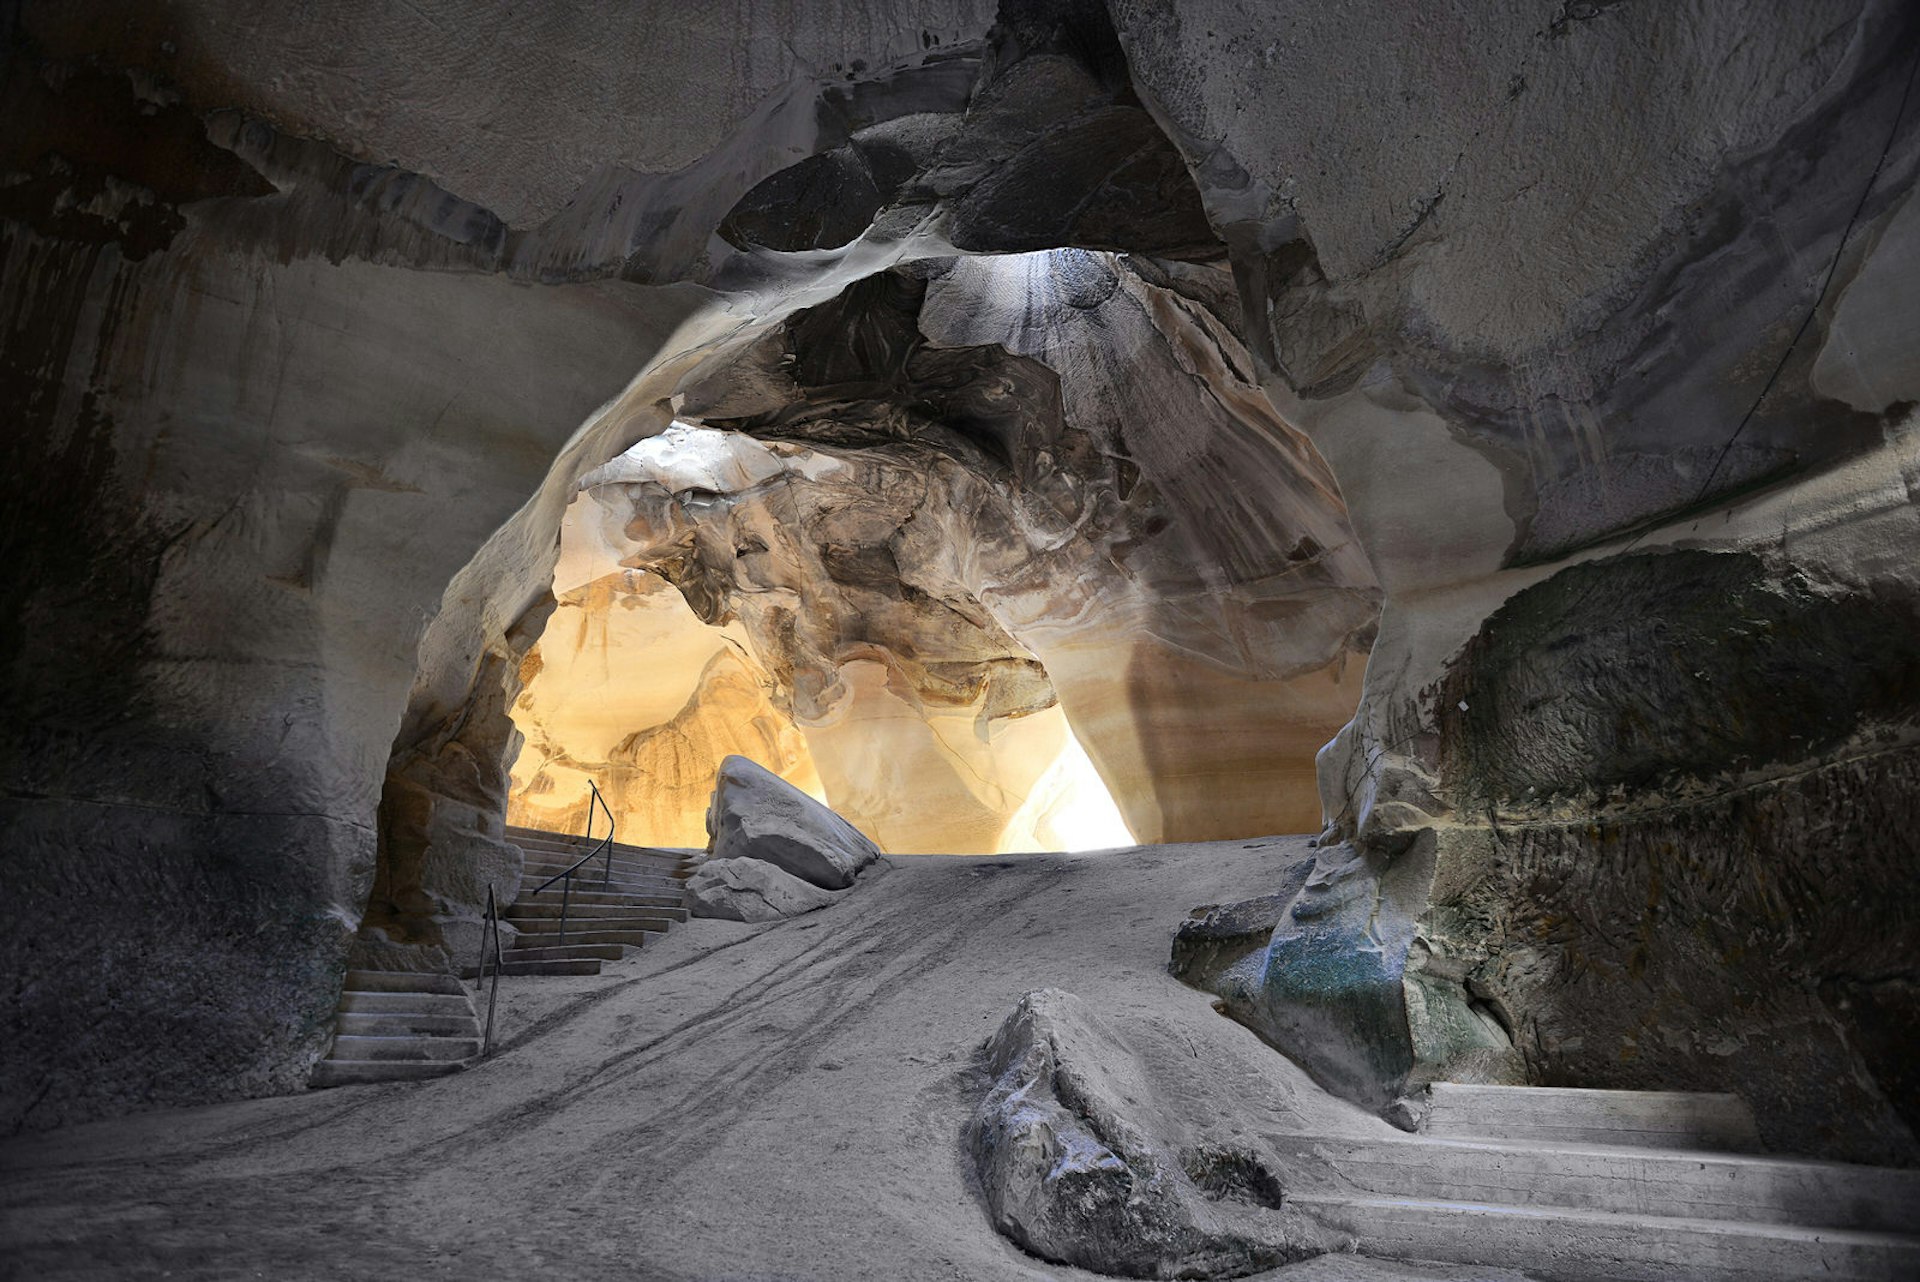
pixel 1503 1186
pixel 647 884
pixel 382 1003
pixel 403 1024
pixel 351 1047
pixel 402 981
pixel 1571 1115
pixel 399 1026
pixel 359 1072
pixel 1566 1245
pixel 1624 1179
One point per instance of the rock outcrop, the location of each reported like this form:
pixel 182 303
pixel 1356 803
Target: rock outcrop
pixel 1066 1148
pixel 751 890
pixel 1619 807
pixel 756 815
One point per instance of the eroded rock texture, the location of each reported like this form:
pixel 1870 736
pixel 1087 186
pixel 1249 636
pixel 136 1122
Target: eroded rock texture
pixel 987 484
pixel 1083 1161
pixel 628 689
pixel 1624 802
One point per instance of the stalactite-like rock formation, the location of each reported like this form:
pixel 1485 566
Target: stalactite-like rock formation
pixel 1053 457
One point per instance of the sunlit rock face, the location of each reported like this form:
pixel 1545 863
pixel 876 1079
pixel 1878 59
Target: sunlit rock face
pixel 1590 319
pixel 928 727
pixel 628 689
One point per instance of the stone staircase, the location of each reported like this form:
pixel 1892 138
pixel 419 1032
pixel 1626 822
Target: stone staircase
pixel 1628 1186
pixel 396 1026
pixel 608 914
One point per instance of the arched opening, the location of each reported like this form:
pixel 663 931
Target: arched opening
pixel 1031 564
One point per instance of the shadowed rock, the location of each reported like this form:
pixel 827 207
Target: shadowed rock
pixel 751 890
pixel 1073 1172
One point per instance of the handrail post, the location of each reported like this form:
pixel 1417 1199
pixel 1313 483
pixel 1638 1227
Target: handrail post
pixel 566 896
pixel 491 933
pixel 606 879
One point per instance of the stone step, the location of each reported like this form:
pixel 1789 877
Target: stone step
pixel 653 919
pixel 401 981
pixel 564 841
pixel 551 966
pixel 353 1072
pixel 417 1003
pixel 405 1048
pixel 1623 1179
pixel 539 868
pixel 1566 1245
pixel 576 934
pixel 566 952
pixel 575 910
pixel 535 886
pixel 1568 1115
pixel 669 892
pixel 352 1024
pixel 663 885
pixel 574 847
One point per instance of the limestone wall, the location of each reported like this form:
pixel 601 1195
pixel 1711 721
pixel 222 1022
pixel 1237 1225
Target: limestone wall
pixel 1585 315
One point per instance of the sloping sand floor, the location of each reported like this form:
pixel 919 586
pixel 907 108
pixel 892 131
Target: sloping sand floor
pixel 738 1102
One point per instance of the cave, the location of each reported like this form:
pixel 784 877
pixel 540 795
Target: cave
pixel 991 639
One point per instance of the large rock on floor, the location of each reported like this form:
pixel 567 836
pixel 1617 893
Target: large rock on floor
pixel 1072 1170
pixel 758 815
pixel 751 890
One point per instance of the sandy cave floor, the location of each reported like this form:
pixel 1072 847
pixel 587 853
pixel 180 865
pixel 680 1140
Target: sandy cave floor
pixel 738 1102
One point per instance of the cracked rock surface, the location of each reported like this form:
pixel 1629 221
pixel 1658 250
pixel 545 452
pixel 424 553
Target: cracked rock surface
pixel 1073 1170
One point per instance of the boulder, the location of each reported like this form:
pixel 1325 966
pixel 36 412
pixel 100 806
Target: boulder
pixel 1073 1171
pixel 751 890
pixel 755 814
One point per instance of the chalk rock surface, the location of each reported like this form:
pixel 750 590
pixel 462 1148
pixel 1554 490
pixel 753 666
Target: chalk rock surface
pixel 756 815
pixel 1073 1171
pixel 751 890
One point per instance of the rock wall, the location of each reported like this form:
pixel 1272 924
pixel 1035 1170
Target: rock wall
pixel 281 363
pixel 629 689
pixel 1589 318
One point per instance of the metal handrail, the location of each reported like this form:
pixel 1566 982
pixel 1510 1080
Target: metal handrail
pixel 606 844
pixel 491 934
